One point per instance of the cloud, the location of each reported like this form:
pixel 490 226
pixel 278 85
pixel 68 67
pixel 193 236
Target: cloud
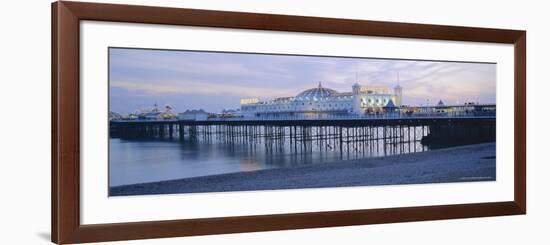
pixel 191 64
pixel 198 88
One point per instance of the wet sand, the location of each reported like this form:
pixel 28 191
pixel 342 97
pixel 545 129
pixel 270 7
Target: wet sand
pixel 456 164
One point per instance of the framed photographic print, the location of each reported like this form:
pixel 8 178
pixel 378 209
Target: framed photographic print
pixel 177 122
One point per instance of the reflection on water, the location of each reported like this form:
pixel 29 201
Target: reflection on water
pixel 140 161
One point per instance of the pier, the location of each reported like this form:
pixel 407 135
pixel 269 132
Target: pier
pixel 386 135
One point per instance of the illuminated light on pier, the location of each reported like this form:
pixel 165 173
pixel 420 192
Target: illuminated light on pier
pixel 249 101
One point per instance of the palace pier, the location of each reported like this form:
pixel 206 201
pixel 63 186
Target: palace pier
pixel 399 134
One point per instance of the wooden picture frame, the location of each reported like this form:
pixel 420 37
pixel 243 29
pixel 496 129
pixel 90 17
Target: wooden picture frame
pixel 65 173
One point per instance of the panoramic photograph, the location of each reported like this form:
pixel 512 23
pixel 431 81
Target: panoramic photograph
pixel 183 121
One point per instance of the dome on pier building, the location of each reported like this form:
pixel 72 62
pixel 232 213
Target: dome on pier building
pixel 318 92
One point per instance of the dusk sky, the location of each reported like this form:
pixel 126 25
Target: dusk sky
pixel 214 81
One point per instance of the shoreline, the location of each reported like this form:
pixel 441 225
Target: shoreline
pixel 456 164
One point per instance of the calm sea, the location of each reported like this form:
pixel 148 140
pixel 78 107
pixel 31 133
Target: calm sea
pixel 141 161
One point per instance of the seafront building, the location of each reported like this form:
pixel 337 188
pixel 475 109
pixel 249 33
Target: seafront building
pixel 324 102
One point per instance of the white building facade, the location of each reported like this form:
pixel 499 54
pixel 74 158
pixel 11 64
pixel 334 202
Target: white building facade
pixel 320 102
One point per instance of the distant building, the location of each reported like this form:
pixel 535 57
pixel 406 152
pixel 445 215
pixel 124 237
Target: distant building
pixel 193 115
pixel 155 113
pixel 151 115
pixel 114 116
pixel 323 101
pixel 227 113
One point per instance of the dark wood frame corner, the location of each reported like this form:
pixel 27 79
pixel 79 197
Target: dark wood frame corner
pixel 66 227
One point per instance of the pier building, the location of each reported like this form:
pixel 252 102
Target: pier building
pixel 321 101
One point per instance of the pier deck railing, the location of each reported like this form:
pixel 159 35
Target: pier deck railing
pixel 358 117
pixel 377 117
